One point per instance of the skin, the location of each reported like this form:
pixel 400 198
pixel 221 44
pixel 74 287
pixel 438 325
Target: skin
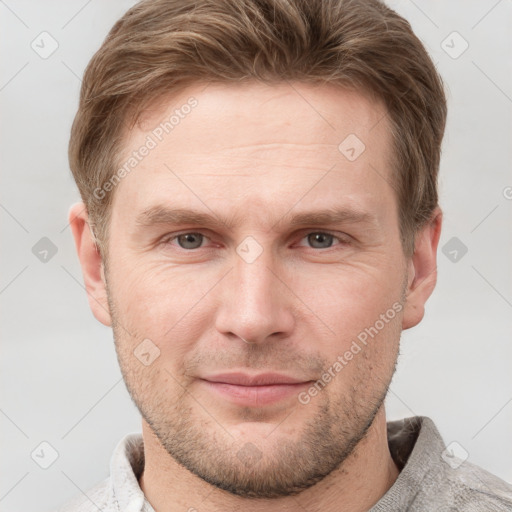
pixel 259 155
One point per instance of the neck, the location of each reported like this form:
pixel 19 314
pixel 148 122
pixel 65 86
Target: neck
pixel 364 477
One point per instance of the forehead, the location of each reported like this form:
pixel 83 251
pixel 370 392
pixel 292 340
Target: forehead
pixel 257 111
pixel 255 145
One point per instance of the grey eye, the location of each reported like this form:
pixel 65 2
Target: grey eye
pixel 190 240
pixel 323 239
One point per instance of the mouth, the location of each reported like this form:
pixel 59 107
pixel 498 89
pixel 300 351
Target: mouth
pixel 254 390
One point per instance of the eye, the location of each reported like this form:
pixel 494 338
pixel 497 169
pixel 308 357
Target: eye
pixel 188 240
pixel 322 239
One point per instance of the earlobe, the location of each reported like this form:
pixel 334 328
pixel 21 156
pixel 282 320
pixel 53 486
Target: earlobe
pixel 91 263
pixel 422 271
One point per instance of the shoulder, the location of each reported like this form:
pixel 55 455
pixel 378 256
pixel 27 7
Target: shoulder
pixel 432 477
pixel 120 490
pixel 470 488
pixel 96 498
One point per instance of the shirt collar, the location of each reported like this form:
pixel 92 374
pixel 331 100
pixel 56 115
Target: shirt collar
pixel 126 467
pixel 416 444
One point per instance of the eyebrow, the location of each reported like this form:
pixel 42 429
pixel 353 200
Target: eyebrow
pixel 162 215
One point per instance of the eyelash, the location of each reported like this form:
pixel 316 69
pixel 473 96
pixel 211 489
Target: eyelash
pixel 342 241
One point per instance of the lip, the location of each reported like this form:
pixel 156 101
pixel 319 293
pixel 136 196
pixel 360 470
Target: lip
pixel 254 390
pixel 261 379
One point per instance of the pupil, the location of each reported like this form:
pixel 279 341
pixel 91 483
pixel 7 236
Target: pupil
pixel 321 238
pixel 189 239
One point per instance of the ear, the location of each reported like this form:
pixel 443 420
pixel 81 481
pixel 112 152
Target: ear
pixel 422 270
pixel 91 262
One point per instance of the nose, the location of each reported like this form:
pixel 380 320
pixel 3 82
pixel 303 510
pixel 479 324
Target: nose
pixel 256 304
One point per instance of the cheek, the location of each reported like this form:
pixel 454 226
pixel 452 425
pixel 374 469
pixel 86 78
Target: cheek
pixel 161 304
pixel 358 313
pixel 144 295
pixel 349 299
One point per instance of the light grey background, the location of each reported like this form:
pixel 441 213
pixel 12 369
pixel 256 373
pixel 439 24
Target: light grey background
pixel 60 380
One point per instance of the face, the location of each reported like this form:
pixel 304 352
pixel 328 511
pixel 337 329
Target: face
pixel 256 280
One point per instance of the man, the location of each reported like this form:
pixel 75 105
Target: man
pixel 259 223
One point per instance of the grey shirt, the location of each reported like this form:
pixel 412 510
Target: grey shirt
pixel 432 477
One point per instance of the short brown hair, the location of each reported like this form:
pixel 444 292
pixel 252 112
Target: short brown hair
pixel 159 46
